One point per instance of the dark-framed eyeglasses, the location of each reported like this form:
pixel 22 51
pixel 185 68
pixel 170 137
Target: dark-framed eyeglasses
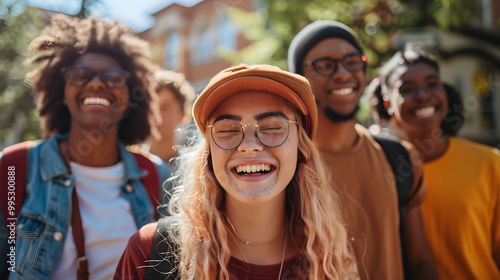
pixel 327 66
pixel 272 131
pixel 80 76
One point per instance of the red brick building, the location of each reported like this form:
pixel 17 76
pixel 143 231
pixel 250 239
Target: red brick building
pixel 188 39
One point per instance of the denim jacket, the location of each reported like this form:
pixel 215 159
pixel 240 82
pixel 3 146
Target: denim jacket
pixel 45 215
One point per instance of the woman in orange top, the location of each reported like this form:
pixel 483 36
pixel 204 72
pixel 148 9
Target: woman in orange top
pixel 461 213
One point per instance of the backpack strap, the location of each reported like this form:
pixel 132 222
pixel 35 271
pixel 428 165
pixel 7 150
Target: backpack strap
pixel 163 261
pixel 13 174
pixel 400 162
pixel 399 159
pixel 151 180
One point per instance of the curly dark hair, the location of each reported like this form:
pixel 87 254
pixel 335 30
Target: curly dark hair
pixel 68 38
pixel 455 117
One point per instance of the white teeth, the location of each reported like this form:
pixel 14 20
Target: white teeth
pixel 343 91
pixel 96 101
pixel 425 112
pixel 253 168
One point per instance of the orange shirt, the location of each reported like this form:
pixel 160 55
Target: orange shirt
pixel 370 203
pixel 461 213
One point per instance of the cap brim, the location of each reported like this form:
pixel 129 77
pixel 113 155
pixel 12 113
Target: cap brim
pixel 241 84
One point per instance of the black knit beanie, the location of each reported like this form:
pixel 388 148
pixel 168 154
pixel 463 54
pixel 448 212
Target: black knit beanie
pixel 312 34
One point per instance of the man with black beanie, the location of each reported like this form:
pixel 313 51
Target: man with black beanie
pixel 330 56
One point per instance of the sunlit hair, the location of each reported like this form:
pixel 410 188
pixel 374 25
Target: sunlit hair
pixel 180 87
pixel 68 38
pixel 411 55
pixel 315 225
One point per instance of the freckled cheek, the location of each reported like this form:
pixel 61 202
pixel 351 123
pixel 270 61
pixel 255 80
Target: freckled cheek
pixel 289 155
pixel 219 161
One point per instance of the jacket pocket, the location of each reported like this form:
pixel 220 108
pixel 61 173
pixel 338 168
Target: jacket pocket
pixel 29 237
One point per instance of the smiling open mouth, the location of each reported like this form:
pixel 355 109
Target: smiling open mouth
pixel 96 101
pixel 262 168
pixel 342 92
pixel 425 112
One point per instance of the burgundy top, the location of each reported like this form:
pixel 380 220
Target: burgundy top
pixel 133 263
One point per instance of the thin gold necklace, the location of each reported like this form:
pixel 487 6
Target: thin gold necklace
pixel 282 257
pixel 255 243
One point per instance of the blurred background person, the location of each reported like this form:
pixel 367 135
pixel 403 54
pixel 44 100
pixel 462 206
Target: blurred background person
pixel 461 212
pixel 175 100
pixel 384 123
pixel 382 220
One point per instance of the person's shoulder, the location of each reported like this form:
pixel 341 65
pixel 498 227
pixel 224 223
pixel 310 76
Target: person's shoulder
pixel 413 153
pixel 156 160
pixel 365 134
pixel 30 146
pixel 134 260
pixel 361 129
pixel 408 146
pixel 375 138
pixel 475 148
pixel 474 145
pixel 163 168
pixel 145 234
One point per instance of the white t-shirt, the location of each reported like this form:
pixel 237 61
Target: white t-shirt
pixel 107 221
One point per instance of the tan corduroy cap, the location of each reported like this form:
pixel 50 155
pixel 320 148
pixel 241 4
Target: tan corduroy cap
pixel 291 87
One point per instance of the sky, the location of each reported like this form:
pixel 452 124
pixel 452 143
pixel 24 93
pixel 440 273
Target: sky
pixel 134 13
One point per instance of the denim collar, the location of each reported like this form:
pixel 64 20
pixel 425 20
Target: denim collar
pixel 52 165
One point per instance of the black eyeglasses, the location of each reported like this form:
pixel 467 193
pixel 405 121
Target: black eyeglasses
pixel 271 131
pixel 80 76
pixel 327 66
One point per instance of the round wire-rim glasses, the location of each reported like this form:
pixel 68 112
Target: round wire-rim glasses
pixel 272 131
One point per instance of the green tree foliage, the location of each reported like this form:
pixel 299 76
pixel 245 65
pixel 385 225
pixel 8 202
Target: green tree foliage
pixel 19 25
pixel 271 29
pixel 443 13
pixel 274 25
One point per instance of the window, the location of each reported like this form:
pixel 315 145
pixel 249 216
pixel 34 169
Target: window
pixel 227 35
pixel 206 46
pixel 172 51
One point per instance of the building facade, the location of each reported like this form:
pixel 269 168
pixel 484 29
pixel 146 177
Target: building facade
pixel 190 39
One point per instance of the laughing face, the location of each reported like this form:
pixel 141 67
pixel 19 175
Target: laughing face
pixel 94 101
pixel 417 96
pixel 340 91
pixel 253 172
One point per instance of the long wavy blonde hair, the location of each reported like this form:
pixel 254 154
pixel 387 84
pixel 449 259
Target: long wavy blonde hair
pixel 312 204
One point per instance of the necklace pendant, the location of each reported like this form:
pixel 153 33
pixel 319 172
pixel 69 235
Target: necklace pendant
pixel 248 242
